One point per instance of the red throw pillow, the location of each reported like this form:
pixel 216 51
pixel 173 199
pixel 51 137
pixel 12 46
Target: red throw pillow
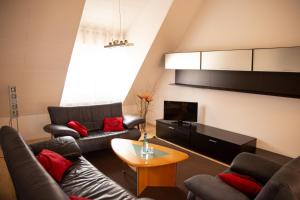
pixel 77 198
pixel 242 183
pixel 113 124
pixel 82 130
pixel 55 164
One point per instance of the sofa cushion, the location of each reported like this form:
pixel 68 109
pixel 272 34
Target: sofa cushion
pixel 83 179
pixel 284 184
pixel 244 184
pixel 81 129
pixel 90 116
pixel 73 197
pixel 113 124
pixel 55 164
pixel 98 140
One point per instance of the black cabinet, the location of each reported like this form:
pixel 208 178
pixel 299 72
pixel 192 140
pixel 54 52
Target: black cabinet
pixel 178 134
pixel 217 143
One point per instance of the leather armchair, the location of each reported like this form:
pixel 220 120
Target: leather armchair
pixel 277 180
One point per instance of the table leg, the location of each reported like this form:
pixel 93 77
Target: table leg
pixel 164 175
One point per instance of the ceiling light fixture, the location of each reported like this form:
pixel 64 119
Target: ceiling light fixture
pixel 119 42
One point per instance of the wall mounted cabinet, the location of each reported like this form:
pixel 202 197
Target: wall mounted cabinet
pixel 273 71
pixel 277 60
pixel 235 60
pixel 183 60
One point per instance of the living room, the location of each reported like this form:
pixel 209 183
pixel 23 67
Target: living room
pixel 57 54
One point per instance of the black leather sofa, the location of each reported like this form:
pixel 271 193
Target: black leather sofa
pixel 31 181
pixel 92 117
pixel 279 182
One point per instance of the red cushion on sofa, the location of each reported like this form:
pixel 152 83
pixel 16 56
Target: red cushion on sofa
pixel 55 164
pixel 77 198
pixel 244 184
pixel 82 130
pixel 113 124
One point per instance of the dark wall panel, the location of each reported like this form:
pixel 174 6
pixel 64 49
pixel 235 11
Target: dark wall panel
pixel 269 83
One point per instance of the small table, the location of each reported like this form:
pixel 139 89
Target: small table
pixel 157 169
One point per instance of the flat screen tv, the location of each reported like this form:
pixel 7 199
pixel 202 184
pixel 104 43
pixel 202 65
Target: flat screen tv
pixel 181 111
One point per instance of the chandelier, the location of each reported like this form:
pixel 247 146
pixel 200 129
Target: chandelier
pixel 119 42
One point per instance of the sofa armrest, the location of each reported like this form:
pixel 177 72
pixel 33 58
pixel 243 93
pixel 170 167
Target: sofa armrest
pixel 210 187
pixel 65 146
pixel 254 166
pixel 61 130
pixel 130 121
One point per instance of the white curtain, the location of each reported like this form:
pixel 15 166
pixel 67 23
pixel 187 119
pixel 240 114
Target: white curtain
pixel 97 75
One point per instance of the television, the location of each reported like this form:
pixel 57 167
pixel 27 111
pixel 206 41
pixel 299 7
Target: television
pixel 180 111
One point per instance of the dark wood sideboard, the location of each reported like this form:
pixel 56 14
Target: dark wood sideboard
pixel 214 142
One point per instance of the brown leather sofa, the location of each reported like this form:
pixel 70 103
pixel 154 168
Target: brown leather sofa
pixel 31 181
pixel 92 117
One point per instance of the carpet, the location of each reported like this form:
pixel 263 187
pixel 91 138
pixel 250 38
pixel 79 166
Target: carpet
pixel 108 163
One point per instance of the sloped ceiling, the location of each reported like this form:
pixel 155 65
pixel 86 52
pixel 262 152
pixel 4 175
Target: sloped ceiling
pixel 36 41
pixel 168 38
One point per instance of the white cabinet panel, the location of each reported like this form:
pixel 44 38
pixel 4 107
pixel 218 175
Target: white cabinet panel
pixel 234 60
pixel 182 60
pixel 277 60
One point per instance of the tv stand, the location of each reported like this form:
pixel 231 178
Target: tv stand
pixel 181 123
pixel 214 142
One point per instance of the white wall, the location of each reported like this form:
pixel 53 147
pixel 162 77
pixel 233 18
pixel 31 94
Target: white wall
pixel 36 41
pixel 274 121
pixel 229 24
pixel 30 126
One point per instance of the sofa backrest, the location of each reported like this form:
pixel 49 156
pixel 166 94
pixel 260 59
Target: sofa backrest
pixel 90 116
pixel 284 184
pixel 30 179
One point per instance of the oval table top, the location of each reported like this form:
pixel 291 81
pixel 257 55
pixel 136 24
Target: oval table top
pixel 130 152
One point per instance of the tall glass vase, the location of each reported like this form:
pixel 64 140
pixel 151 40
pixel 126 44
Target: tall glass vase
pixel 145 144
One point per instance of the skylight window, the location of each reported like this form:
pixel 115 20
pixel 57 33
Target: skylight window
pixel 98 75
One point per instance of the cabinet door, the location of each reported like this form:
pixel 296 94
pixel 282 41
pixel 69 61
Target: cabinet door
pixel 183 60
pixel 234 60
pixel 200 144
pixel 214 148
pixel 277 60
pixel 165 131
pixel 182 136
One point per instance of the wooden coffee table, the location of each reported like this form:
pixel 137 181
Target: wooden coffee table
pixel 157 169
